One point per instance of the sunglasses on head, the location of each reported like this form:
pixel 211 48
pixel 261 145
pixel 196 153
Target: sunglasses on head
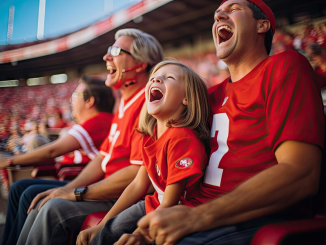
pixel 115 51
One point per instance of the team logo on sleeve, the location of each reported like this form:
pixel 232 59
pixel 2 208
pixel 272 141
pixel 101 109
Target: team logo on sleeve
pixel 184 163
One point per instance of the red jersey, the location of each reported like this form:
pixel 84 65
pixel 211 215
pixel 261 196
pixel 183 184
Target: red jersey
pixel 277 101
pixel 176 155
pixel 74 157
pixel 90 134
pixel 121 146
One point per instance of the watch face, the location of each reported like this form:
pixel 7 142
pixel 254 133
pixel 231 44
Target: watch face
pixel 80 190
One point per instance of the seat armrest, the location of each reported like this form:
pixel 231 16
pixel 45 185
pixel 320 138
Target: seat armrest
pixel 69 173
pixel 309 231
pixel 93 219
pixel 44 171
pixel 60 165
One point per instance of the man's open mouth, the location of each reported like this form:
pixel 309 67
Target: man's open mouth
pixel 111 69
pixel 155 94
pixel 224 33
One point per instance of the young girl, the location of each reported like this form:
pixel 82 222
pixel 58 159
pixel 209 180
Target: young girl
pixel 175 128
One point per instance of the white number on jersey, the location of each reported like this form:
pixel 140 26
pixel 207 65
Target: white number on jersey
pixel 213 175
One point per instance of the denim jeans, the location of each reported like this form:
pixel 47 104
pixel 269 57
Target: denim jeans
pixel 125 222
pixel 58 221
pixel 20 197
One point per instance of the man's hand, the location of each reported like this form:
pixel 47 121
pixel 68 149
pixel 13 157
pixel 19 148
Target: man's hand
pixel 168 225
pixel 85 237
pixel 62 192
pixel 131 239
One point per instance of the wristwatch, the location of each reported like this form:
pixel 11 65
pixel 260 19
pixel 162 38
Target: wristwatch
pixel 79 192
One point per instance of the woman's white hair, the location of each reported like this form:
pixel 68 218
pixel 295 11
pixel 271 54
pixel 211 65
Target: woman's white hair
pixel 144 48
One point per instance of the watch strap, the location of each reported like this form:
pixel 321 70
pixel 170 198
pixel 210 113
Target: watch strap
pixel 79 191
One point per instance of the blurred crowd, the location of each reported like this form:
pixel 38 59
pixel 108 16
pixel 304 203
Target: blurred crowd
pixel 310 40
pixel 28 114
pixel 29 111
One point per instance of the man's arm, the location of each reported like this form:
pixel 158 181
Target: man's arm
pixel 112 187
pixel 295 177
pixel 44 153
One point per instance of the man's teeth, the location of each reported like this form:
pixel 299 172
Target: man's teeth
pixel 226 28
pixel 111 69
pixel 225 32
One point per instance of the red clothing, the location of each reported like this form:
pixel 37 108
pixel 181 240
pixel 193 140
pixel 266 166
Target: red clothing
pixel 59 124
pixel 277 101
pixel 74 157
pixel 121 146
pixel 321 77
pixel 176 155
pixel 90 134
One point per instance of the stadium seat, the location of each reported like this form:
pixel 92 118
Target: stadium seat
pixel 69 173
pixel 93 219
pixel 58 171
pixel 48 172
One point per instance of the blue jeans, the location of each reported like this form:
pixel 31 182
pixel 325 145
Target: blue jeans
pixel 239 234
pixel 124 222
pixel 20 197
pixel 58 221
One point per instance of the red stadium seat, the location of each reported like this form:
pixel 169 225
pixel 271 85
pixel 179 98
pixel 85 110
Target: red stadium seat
pixel 93 219
pixel 69 173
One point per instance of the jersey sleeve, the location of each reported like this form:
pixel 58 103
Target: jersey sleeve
pixel 84 140
pixel 136 142
pixel 294 109
pixel 186 157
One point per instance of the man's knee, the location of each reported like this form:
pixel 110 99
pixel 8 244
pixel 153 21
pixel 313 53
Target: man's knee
pixel 55 208
pixel 16 189
pixel 19 185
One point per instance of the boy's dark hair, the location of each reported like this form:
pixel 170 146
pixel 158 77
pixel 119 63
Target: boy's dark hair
pixel 259 15
pixel 103 96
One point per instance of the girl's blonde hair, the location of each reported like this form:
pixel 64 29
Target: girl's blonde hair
pixel 195 115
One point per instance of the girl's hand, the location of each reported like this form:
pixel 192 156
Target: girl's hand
pixel 85 237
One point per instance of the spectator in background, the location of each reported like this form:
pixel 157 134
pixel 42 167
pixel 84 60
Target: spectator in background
pixel 4 137
pixel 92 103
pixel 56 120
pixel 13 144
pixel 42 128
pixel 31 139
pixel 317 56
pixel 321 39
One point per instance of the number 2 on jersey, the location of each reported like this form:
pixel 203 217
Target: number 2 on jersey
pixel 213 175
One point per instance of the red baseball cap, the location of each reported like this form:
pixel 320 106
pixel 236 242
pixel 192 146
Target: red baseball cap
pixel 266 10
